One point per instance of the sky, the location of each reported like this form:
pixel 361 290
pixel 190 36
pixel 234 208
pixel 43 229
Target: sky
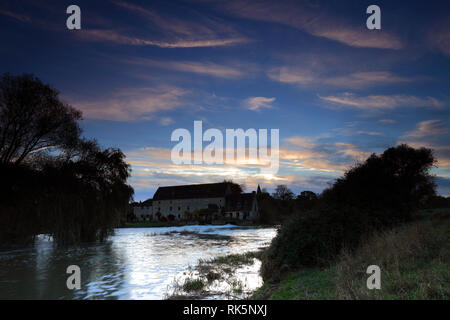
pixel 336 90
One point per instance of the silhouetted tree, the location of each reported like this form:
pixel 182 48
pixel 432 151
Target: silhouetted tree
pixel 76 193
pixel 306 200
pixel 379 193
pixel 390 185
pixel 282 192
pixel 33 118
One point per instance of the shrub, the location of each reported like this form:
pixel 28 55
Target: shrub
pixel 313 239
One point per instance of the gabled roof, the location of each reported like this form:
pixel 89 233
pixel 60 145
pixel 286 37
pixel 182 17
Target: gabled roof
pixel 194 191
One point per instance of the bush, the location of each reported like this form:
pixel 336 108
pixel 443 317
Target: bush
pixel 313 239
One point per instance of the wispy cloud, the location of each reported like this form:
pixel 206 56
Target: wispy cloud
pixel 118 38
pixel 317 154
pixel 432 134
pixel 17 16
pixel 132 104
pixel 439 35
pixel 309 77
pixel 165 121
pixel 258 103
pixel 381 102
pixel 205 68
pixel 429 128
pixel 193 30
pixel 366 79
pixel 387 121
pixel 308 17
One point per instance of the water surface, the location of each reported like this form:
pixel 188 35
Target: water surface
pixel 136 263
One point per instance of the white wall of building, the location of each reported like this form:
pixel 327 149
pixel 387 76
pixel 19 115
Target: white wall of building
pixel 179 206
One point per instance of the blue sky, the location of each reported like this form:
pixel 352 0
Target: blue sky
pixel 336 90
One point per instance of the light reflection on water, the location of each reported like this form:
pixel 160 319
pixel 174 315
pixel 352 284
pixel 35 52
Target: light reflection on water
pixel 136 263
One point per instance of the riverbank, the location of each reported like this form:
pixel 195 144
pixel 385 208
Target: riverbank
pixel 414 261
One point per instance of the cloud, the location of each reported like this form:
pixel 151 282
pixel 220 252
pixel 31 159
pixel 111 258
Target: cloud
pixel 433 134
pixel 193 30
pixel 366 79
pixel 308 76
pixel 17 16
pixel 429 128
pixel 308 17
pixel 439 36
pixel 316 154
pixel 291 76
pixel 387 121
pixel 305 162
pixel 205 68
pixel 351 129
pixel 133 104
pixel 357 37
pixel 381 102
pixel 165 121
pixel 258 103
pixel 116 37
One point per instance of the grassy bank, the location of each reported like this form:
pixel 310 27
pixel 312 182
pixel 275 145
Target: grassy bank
pixel 414 261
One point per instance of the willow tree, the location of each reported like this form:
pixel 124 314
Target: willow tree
pixel 33 118
pixel 77 192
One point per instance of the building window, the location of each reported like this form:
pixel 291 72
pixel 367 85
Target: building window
pixel 179 208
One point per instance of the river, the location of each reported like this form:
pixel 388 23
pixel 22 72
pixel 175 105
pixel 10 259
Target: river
pixel 135 263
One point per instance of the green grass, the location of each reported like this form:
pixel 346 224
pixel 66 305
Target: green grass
pixel 193 285
pixel 233 259
pixel 308 284
pixel 414 261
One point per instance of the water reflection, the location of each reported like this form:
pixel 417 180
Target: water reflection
pixel 136 263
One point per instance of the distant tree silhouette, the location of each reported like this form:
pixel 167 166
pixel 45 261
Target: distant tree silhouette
pixel 33 118
pixel 282 192
pixel 235 188
pixel 307 199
